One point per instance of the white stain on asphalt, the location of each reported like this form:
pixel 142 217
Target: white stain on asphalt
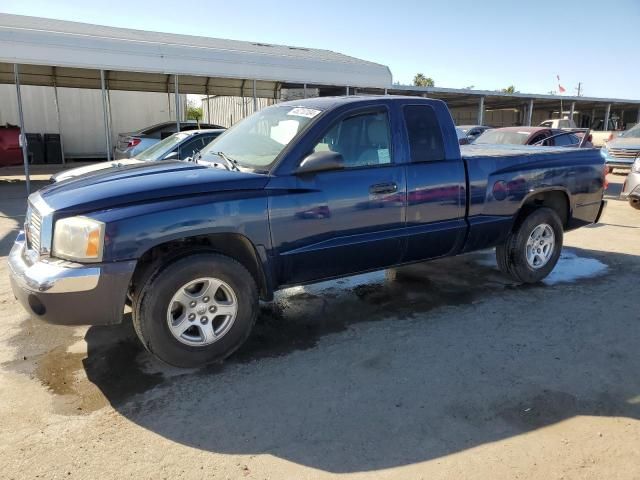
pixel 570 267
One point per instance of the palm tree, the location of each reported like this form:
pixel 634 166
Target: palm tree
pixel 509 89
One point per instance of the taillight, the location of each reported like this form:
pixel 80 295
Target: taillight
pixel 610 137
pixel 133 142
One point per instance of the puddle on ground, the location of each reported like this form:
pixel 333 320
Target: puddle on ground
pixel 116 367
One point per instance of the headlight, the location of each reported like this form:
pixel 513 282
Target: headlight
pixel 80 239
pixel 636 166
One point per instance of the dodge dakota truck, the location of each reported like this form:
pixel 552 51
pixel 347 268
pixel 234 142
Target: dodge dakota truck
pixel 296 193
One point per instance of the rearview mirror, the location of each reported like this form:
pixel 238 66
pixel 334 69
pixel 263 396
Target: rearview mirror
pixel 321 162
pixel 172 156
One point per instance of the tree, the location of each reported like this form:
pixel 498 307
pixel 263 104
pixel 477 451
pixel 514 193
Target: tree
pixel 421 81
pixel 509 89
pixel 193 111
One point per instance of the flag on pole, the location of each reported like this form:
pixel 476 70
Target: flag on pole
pixel 561 89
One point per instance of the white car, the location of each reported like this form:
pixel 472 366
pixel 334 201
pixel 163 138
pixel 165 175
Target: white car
pixel 179 146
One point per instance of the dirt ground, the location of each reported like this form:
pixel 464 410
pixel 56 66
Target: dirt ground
pixel 444 370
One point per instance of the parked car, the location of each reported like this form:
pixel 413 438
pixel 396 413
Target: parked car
pixel 559 123
pixel 462 137
pixel 179 146
pixel 602 134
pixel 303 191
pixel 542 136
pixel 631 187
pixel 622 151
pixel 132 144
pixel 473 131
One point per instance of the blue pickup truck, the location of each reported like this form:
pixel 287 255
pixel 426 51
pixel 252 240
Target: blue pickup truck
pixel 297 193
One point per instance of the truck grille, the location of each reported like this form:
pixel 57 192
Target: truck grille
pixel 34 224
pixel 624 152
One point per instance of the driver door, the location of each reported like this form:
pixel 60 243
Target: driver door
pixel 343 221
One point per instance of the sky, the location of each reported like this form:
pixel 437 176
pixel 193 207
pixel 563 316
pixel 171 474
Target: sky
pixel 487 45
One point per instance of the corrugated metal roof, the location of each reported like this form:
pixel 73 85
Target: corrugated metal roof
pixel 42 41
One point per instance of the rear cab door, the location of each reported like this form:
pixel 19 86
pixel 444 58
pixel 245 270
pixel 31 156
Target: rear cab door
pixel 436 182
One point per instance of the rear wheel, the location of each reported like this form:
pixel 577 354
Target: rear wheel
pixel 533 248
pixel 635 203
pixel 196 310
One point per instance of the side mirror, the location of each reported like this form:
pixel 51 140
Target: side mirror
pixel 321 162
pixel 172 156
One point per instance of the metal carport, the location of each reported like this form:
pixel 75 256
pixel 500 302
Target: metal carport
pixel 58 53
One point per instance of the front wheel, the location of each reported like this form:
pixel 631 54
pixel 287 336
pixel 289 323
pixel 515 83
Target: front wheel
pixel 635 203
pixel 196 310
pixel 533 248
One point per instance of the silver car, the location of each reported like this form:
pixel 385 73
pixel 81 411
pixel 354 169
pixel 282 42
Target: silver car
pixel 133 143
pixel 631 187
pixel 179 146
pixel 621 151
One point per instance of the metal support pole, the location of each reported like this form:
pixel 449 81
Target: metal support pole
pixel 105 112
pixel 208 108
pixel 386 91
pixel 593 118
pixel 23 136
pixel 530 112
pixel 572 111
pixel 638 117
pixel 55 99
pixel 347 90
pixel 607 113
pixel 304 91
pixel 255 98
pixel 481 111
pixel 621 126
pixel 176 88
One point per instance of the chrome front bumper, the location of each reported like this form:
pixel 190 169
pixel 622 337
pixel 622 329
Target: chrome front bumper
pixel 67 293
pixel 52 276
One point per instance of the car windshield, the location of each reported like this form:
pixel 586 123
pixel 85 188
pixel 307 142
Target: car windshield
pixel 509 137
pixel 257 141
pixel 158 150
pixel 632 133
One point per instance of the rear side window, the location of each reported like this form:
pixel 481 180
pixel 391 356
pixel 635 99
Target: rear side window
pixel 425 137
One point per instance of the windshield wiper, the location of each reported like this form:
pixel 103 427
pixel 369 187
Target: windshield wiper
pixel 230 161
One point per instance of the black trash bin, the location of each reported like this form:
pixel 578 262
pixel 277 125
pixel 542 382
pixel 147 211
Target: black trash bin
pixel 35 147
pixel 53 148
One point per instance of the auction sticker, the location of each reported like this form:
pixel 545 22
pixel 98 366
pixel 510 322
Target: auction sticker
pixel 304 112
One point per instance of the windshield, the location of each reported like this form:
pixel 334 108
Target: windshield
pixel 509 137
pixel 159 149
pixel 257 141
pixel 632 133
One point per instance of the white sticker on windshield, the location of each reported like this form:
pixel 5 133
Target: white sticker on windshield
pixel 304 112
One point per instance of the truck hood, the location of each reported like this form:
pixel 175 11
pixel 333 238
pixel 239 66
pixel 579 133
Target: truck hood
pixel 622 142
pixel 144 182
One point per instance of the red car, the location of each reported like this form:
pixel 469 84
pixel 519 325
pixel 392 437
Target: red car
pixel 547 137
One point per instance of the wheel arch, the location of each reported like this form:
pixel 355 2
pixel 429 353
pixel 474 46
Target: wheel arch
pixel 556 198
pixel 233 245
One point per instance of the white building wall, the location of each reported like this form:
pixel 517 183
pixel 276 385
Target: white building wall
pixel 81 116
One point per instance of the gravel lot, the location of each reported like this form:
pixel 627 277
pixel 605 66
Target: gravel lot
pixel 440 370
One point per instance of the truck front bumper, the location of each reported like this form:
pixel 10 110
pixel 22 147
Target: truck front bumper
pixel 67 293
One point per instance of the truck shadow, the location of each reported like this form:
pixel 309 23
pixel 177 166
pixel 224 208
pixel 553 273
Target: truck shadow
pixel 390 370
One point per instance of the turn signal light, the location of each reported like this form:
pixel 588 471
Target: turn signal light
pixel 93 244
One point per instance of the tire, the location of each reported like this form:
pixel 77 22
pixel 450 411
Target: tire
pixel 161 309
pixel 512 256
pixel 635 203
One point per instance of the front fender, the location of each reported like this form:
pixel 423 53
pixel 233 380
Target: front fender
pixel 131 231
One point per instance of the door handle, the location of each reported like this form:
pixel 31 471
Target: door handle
pixel 381 188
